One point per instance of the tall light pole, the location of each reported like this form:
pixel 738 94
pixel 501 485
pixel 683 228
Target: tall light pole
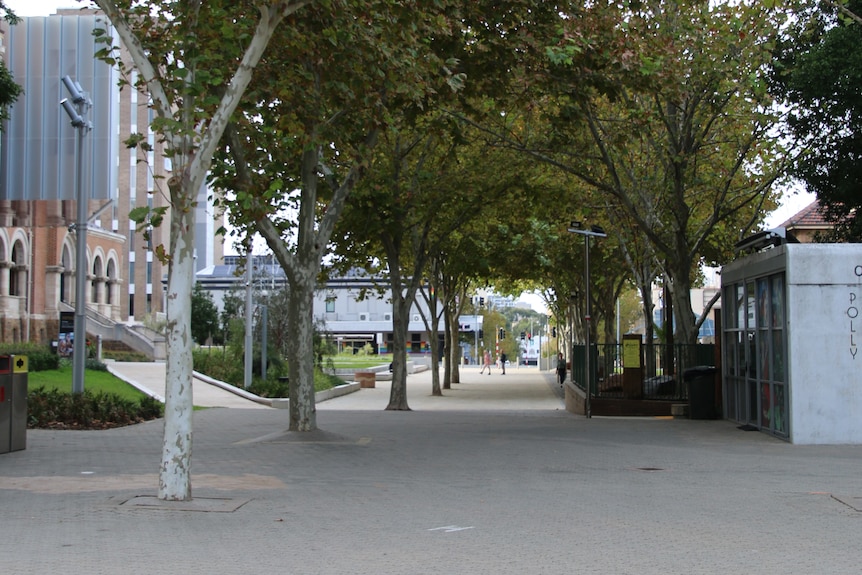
pixel 481 301
pixel 82 105
pixel 594 231
pixel 249 308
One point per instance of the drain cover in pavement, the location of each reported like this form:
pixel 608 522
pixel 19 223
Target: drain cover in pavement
pixel 201 504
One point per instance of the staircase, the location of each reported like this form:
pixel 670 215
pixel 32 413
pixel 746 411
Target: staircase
pixel 131 337
pixel 111 345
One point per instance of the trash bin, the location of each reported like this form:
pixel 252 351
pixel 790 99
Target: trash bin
pixel 700 382
pixel 5 403
pixel 13 403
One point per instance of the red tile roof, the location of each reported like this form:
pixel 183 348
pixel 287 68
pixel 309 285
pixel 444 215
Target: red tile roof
pixel 809 217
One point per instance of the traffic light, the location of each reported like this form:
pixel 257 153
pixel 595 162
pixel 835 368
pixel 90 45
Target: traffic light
pixel 523 336
pixel 481 334
pixel 481 302
pixel 553 331
pixel 502 333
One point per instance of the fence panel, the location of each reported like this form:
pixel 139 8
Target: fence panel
pixel 663 371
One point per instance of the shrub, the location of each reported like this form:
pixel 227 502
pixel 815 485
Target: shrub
pixel 279 387
pixel 95 364
pixel 270 387
pixel 39 357
pixel 54 409
pixel 218 365
pixel 119 355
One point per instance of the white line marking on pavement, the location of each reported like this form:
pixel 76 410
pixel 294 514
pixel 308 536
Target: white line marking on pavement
pixel 450 528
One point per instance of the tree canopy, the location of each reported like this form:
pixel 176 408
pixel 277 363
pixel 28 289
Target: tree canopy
pixel 671 126
pixel 9 90
pixel 304 137
pixel 195 61
pixel 818 73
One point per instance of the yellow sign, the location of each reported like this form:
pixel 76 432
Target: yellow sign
pixel 19 364
pixel 631 353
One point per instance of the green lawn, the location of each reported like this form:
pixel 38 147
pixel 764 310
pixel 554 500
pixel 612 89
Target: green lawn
pixel 345 361
pixel 95 381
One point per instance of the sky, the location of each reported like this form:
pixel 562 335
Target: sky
pixel 40 7
pixel 792 201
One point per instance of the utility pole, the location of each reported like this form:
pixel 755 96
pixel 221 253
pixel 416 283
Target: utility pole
pixel 82 105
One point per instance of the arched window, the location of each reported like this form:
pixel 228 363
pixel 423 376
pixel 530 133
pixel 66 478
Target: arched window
pixel 66 281
pixel 18 275
pixel 112 280
pixel 97 279
pixel 5 266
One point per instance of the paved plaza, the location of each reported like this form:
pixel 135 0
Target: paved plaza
pixel 493 478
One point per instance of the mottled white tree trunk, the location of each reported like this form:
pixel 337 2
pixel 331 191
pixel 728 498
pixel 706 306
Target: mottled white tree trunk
pixel 175 482
pixel 191 162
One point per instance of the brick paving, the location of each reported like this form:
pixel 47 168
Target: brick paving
pixel 478 481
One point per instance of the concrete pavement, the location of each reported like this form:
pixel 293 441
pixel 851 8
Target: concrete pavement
pixel 149 377
pixel 483 484
pixel 521 388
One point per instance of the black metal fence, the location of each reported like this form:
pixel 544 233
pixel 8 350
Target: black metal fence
pixel 663 369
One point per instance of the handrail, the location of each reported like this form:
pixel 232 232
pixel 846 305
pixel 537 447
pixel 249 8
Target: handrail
pixel 138 337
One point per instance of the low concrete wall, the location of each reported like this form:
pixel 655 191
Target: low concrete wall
pixel 576 399
pixel 279 402
pixel 284 403
pixel 233 389
pixel 381 372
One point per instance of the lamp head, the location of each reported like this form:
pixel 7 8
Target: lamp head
pixel 74 90
pixel 77 120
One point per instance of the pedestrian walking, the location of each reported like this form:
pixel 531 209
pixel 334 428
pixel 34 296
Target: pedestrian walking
pixel 503 360
pixel 561 368
pixel 486 362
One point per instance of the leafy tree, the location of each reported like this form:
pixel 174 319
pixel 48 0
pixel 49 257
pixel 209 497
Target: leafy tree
pixel 306 130
pixel 195 60
pixel 9 90
pixel 391 217
pixel 818 72
pixel 233 308
pixel 205 320
pixel 279 332
pixel 679 131
pixel 428 182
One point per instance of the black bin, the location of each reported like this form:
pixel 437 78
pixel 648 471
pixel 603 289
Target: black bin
pixel 700 382
pixel 13 403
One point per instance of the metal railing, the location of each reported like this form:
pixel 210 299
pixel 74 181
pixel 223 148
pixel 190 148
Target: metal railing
pixel 662 371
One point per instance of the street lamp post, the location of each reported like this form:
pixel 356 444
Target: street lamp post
pixel 82 105
pixel 481 301
pixel 594 231
pixel 249 309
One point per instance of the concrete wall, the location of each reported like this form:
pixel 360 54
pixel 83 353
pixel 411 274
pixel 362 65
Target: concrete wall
pixel 575 399
pixel 824 300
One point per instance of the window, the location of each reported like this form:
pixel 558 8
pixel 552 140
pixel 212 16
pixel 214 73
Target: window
pixel 754 353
